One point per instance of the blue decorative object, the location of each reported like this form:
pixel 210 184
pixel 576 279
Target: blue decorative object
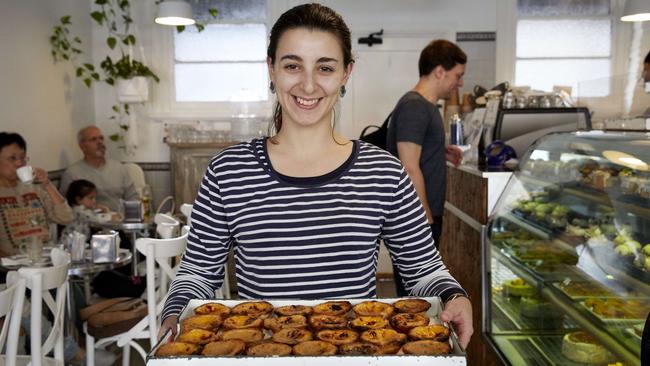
pixel 498 153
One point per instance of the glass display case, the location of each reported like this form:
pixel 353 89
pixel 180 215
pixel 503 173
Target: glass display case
pixel 567 252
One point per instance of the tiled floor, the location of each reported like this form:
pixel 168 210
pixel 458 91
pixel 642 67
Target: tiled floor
pixel 385 289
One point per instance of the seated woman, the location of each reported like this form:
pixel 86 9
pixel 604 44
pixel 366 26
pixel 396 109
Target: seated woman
pixel 26 210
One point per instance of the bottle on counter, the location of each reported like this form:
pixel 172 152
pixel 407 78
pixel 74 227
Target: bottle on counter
pixel 146 202
pixel 456 130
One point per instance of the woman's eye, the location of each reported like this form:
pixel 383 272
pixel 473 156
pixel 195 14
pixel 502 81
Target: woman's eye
pixel 326 69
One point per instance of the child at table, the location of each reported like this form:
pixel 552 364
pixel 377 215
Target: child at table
pixel 81 196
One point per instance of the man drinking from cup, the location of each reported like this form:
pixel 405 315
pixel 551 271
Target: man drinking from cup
pixel 29 202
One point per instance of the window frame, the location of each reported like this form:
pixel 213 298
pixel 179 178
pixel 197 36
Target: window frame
pixel 507 18
pixel 163 104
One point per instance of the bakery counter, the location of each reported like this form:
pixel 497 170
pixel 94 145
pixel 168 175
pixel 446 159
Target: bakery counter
pixel 472 193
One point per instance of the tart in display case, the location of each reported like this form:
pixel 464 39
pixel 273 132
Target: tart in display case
pixel 567 252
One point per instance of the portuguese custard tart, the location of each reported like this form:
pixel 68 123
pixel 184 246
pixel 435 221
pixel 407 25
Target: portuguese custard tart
pixel 338 337
pixel 242 321
pixel 197 336
pixel 412 306
pixel 207 322
pixel 404 322
pixel 213 308
pixel 359 349
pixel 289 321
pixel 362 323
pixel 373 308
pixel 314 348
pixel 258 309
pixel 319 322
pixel 289 310
pixel 434 332
pixel 248 335
pixel 382 337
pixel 177 349
pixel 333 308
pixel 426 348
pixel 292 336
pixel 231 347
pixel 269 349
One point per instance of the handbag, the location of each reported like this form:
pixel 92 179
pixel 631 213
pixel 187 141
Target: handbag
pixel 378 137
pixel 113 316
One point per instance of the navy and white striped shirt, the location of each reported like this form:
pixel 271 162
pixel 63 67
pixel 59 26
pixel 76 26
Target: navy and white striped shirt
pixel 307 238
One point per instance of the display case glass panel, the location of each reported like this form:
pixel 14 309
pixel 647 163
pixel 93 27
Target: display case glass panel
pixel 568 252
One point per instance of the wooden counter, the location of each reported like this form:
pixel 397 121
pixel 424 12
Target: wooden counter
pixel 471 195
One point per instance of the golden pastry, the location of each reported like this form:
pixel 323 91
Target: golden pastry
pixel 290 321
pixel 338 337
pixel 294 310
pixel 434 332
pixel 213 308
pixel 231 347
pixel 242 321
pixel 411 306
pixel 269 349
pixel 404 322
pixel 292 336
pixel 333 308
pixel 362 323
pixel 314 348
pixel 258 309
pixel 248 335
pixel 177 349
pixel 207 322
pixel 197 336
pixel 373 308
pixel 426 348
pixel 382 337
pixel 319 322
pixel 359 349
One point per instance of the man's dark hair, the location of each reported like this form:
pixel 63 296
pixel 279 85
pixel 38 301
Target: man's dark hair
pixel 647 59
pixel 10 138
pixel 440 52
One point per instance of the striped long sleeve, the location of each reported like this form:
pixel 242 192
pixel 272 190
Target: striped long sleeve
pixel 307 241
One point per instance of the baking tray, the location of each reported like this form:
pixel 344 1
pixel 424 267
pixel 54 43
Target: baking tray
pixel 457 356
pixel 606 293
pixel 614 321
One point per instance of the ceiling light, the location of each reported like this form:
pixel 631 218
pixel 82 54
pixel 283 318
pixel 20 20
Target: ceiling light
pixel 174 12
pixel 636 11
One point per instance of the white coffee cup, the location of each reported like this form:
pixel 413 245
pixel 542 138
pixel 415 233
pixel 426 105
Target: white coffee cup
pixel 25 174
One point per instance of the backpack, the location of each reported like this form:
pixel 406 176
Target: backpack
pixel 378 137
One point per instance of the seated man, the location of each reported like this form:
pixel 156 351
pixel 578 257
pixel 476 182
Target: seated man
pixel 111 177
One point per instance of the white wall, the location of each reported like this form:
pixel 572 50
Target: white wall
pixel 39 99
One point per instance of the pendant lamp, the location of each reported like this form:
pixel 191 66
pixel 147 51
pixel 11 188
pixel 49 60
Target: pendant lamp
pixel 174 12
pixel 636 11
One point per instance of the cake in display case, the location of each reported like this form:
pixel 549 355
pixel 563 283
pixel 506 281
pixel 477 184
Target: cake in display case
pixel 567 252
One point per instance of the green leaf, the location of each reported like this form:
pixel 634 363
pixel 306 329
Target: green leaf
pixel 213 12
pixel 126 108
pixel 65 19
pixel 76 50
pixel 114 137
pixel 130 39
pixel 124 127
pixel 109 81
pixel 88 82
pixel 111 41
pixel 101 2
pixel 77 39
pixel 90 67
pixel 124 4
pixel 116 109
pixel 95 76
pixel 65 57
pixel 180 28
pixel 80 71
pixel 199 27
pixel 98 16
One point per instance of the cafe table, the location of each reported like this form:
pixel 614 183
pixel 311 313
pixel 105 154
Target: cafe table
pixel 131 230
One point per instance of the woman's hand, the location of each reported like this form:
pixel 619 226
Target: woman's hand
pixel 40 176
pixel 459 312
pixel 169 323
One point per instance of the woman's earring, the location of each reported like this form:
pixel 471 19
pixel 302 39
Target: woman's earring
pixel 343 91
pixel 272 88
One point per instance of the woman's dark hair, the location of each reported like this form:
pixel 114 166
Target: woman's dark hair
pixel 647 59
pixel 10 138
pixel 440 52
pixel 310 16
pixel 79 189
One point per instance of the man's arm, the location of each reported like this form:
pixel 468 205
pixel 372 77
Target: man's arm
pixel 409 154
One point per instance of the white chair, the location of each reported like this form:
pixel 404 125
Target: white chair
pixel 166 226
pixel 11 309
pixel 224 291
pixel 137 176
pixel 157 251
pixel 42 280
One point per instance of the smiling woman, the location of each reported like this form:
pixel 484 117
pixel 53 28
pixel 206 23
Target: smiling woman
pixel 305 209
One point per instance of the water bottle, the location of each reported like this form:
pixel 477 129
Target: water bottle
pixel 456 127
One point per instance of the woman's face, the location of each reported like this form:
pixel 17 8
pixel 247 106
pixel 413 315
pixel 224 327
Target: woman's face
pixel 89 200
pixel 308 74
pixel 12 157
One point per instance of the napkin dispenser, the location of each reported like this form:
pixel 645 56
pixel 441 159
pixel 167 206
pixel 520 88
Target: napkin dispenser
pixel 133 211
pixel 105 246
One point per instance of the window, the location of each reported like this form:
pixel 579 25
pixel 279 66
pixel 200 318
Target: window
pixel 227 60
pixel 564 43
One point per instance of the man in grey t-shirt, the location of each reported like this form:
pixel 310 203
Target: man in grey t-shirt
pixel 416 133
pixel 111 177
